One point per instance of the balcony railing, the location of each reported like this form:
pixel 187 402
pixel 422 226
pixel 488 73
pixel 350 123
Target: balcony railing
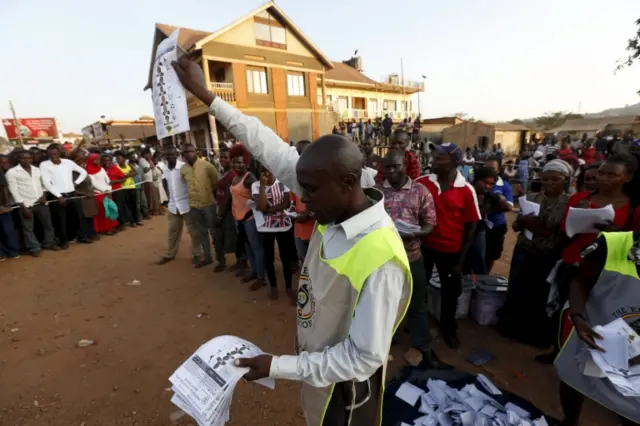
pixel 223 90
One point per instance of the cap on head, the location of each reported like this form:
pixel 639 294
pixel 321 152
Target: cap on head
pixel 448 148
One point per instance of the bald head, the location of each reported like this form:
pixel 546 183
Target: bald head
pixel 328 172
pixel 334 154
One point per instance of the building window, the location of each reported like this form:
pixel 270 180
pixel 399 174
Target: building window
pixel 389 106
pixel 295 84
pixel 257 81
pixel 320 100
pixel 269 32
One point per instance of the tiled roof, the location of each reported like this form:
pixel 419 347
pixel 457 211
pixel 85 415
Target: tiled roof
pixel 343 72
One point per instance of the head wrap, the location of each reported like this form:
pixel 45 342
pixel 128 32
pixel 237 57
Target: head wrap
pixel 559 166
pixel 92 168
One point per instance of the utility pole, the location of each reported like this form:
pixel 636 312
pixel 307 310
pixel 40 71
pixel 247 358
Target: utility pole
pixel 16 123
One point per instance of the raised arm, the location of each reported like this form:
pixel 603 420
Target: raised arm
pixel 260 140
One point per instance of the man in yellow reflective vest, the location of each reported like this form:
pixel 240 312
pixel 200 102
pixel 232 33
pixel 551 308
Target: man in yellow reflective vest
pixel 355 284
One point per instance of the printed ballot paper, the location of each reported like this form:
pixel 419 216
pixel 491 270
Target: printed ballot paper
pixel 169 98
pixel 446 406
pixel 581 221
pixel 621 344
pixel 203 385
pixel 528 207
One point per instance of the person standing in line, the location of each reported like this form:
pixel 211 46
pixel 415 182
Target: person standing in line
pixel 102 188
pixel 400 141
pixel 57 177
pixel 387 124
pixel 150 190
pixel 179 211
pixel 25 185
pixel 158 178
pixel 524 315
pixel 552 148
pixel 304 222
pixel 411 203
pixel 248 235
pixel 9 243
pixel 225 234
pixel 484 179
pixel 353 291
pixel 369 130
pixel 129 189
pixel 496 233
pixel 360 131
pixel 272 199
pixel 499 155
pixel 85 190
pixel 201 178
pixel 142 208
pixel 116 179
pixel 457 213
pixel 371 160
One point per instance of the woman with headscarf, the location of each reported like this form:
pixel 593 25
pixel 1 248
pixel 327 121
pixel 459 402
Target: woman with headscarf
pixel 538 248
pixel 102 188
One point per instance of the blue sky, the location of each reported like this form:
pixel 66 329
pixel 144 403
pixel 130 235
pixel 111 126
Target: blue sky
pixel 493 59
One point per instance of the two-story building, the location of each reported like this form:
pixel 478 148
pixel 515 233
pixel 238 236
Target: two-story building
pixel 353 95
pixel 266 67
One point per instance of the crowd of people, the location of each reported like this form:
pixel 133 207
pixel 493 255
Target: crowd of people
pixel 51 198
pixel 365 234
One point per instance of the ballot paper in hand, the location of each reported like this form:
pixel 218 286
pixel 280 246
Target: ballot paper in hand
pixel 528 207
pixel 621 343
pixel 204 383
pixel 582 221
pixel 169 98
pixel 405 227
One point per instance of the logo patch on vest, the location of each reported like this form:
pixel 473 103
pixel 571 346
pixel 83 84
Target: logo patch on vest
pixel 306 303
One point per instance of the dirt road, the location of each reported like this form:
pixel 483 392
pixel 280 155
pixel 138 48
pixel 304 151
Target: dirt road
pixel 144 332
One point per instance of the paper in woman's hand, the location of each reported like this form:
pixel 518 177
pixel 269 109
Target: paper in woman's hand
pixel 582 221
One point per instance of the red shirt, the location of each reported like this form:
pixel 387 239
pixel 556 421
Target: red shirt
pixel 564 152
pixel 302 230
pixel 589 155
pixel 571 253
pixel 223 185
pixel 455 207
pixel 412 167
pixel 115 173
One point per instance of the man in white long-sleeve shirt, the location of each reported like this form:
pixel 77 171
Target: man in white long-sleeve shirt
pixel 25 185
pixel 57 177
pixel 350 299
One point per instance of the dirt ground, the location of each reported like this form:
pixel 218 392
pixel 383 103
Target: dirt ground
pixel 143 333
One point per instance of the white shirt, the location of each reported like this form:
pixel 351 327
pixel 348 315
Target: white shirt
pixel 367 347
pixel 178 194
pixel 58 178
pixel 100 182
pixel 26 188
pixel 148 176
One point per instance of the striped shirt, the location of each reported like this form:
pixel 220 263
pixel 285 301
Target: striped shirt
pixel 276 194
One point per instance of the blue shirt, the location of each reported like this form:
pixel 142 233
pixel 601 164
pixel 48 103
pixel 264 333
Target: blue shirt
pixel 501 188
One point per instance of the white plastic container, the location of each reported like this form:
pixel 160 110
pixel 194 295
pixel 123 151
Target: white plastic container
pixel 485 305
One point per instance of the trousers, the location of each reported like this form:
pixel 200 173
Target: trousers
pixel 202 219
pixel 451 285
pixel 40 212
pixel 176 224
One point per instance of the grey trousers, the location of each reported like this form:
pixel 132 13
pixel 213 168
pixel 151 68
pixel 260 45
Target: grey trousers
pixel 203 219
pixel 141 203
pixel 176 224
pixel 41 213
